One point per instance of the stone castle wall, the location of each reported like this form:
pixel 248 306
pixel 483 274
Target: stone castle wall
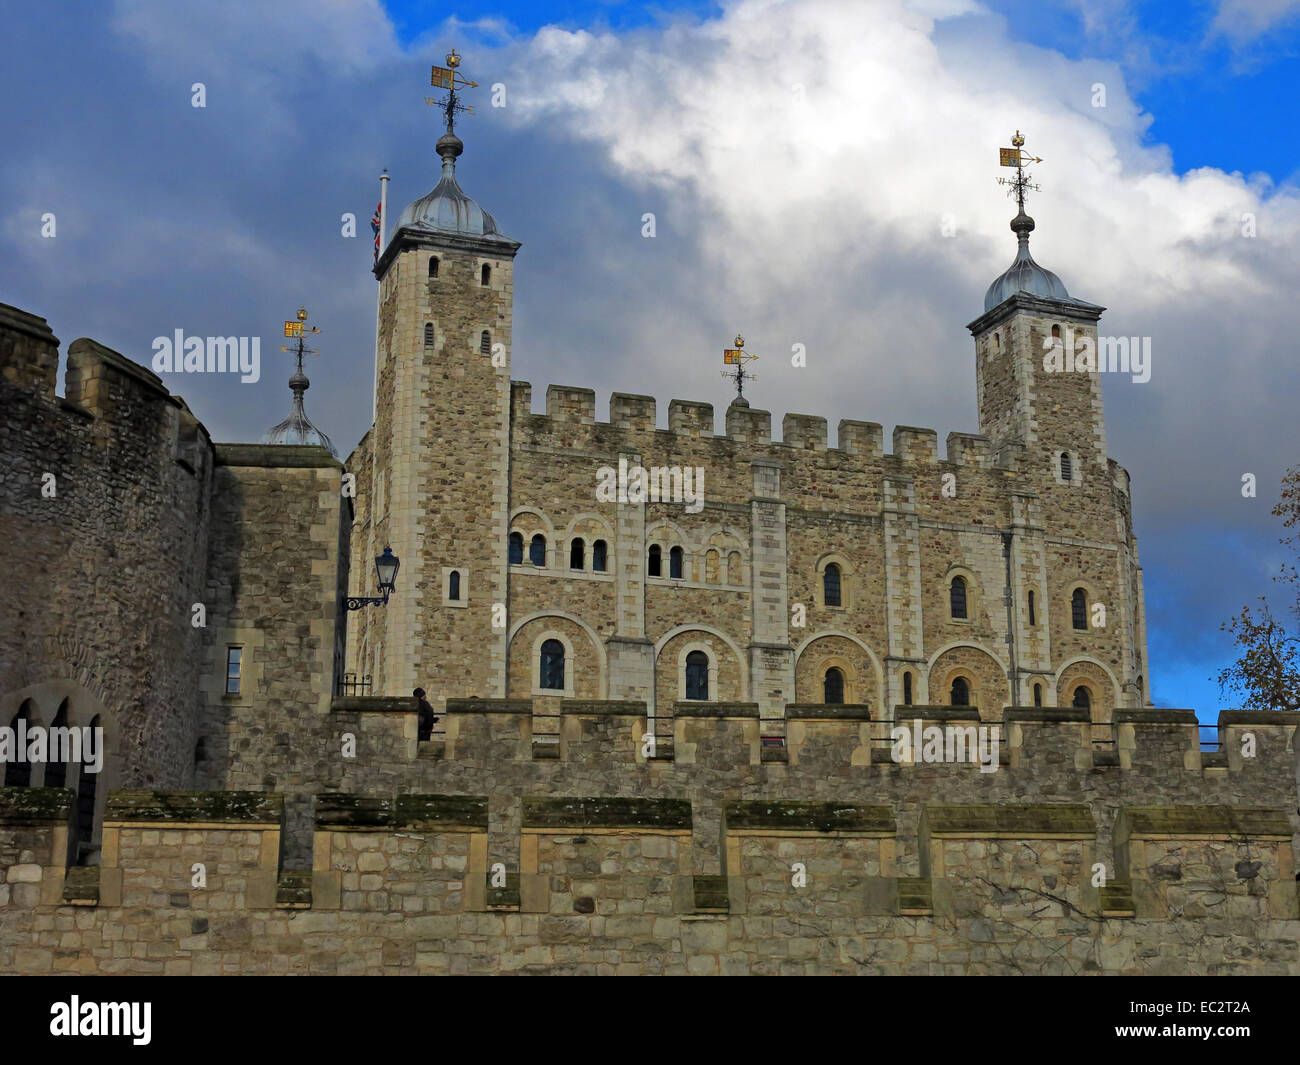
pixel 101 575
pixel 717 860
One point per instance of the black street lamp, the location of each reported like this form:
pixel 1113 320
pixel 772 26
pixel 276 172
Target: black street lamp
pixel 386 566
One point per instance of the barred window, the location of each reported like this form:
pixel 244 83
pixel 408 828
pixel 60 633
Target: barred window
pixel 428 334
pixel 957 597
pixel 485 343
pixel 831 585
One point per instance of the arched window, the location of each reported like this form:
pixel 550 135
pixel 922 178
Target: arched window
pixel 997 341
pixel 833 687
pixel 56 772
pixel 655 562
pixel 907 689
pixel 516 548
pixel 675 559
pixel 960 692
pixel 551 673
pixel 1032 618
pixel 1082 698
pixel 712 561
pixel 485 343
pixel 18 773
pixel 1067 468
pixel 453 586
pixel 957 598
pixel 577 553
pixel 84 825
pixel 735 568
pixel 433 266
pixel 1038 695
pixel 831 585
pixel 1079 609
pixel 1056 330
pixel 697 675
pixel 485 277
pixel 537 550
pixel 599 556
pixel 428 334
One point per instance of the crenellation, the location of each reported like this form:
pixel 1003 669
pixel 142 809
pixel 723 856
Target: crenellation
pixel 747 425
pixel 632 412
pixel 690 418
pixel 969 449
pixel 861 438
pixel 567 404
pixel 804 432
pixel 913 446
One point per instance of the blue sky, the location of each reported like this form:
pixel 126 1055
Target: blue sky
pixel 811 217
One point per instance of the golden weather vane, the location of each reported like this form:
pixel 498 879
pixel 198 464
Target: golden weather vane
pixel 451 79
pixel 737 357
pixel 297 328
pixel 1016 156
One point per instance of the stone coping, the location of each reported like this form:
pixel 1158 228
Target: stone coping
pixel 373 704
pixel 1258 717
pixel 808 817
pixel 195 807
pixel 828 711
pixel 603 707
pixel 31 806
pixel 291 456
pixel 694 709
pixel 25 322
pixel 489 706
pixel 340 811
pixel 938 713
pixel 1155 717
pixel 542 813
pixel 1035 821
pixel 1055 714
pixel 1153 822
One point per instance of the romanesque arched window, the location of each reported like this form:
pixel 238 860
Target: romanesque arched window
pixel 697 675
pixel 1079 609
pixel 833 687
pixel 1067 468
pixel 1038 695
pixel 960 695
pixel 551 668
pixel 831 585
pixel 537 550
pixel 433 266
pixel 577 553
pixel 428 334
pixel 655 561
pixel 485 276
pixel 1082 699
pixel 84 821
pixel 453 586
pixel 599 556
pixel 485 343
pixel 907 689
pixel 56 772
pixel 516 548
pixel 675 559
pixel 735 568
pixel 18 773
pixel 957 597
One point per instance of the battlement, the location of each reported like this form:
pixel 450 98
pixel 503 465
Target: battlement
pixel 569 406
pixel 29 352
pixel 191 883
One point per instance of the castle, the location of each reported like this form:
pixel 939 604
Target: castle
pixel 667 719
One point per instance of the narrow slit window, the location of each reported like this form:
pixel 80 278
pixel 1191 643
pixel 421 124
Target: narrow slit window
pixel 831 585
pixel 957 597
pixel 234 668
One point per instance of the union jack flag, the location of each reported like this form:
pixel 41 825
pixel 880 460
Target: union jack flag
pixel 374 226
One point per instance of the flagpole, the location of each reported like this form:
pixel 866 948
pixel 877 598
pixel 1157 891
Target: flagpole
pixel 383 218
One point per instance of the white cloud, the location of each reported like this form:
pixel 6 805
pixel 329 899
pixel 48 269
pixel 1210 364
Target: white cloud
pixel 1243 20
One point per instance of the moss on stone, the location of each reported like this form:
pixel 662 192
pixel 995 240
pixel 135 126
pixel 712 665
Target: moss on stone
pixel 217 806
pixel 606 813
pixel 27 806
pixel 1012 822
pixel 809 817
